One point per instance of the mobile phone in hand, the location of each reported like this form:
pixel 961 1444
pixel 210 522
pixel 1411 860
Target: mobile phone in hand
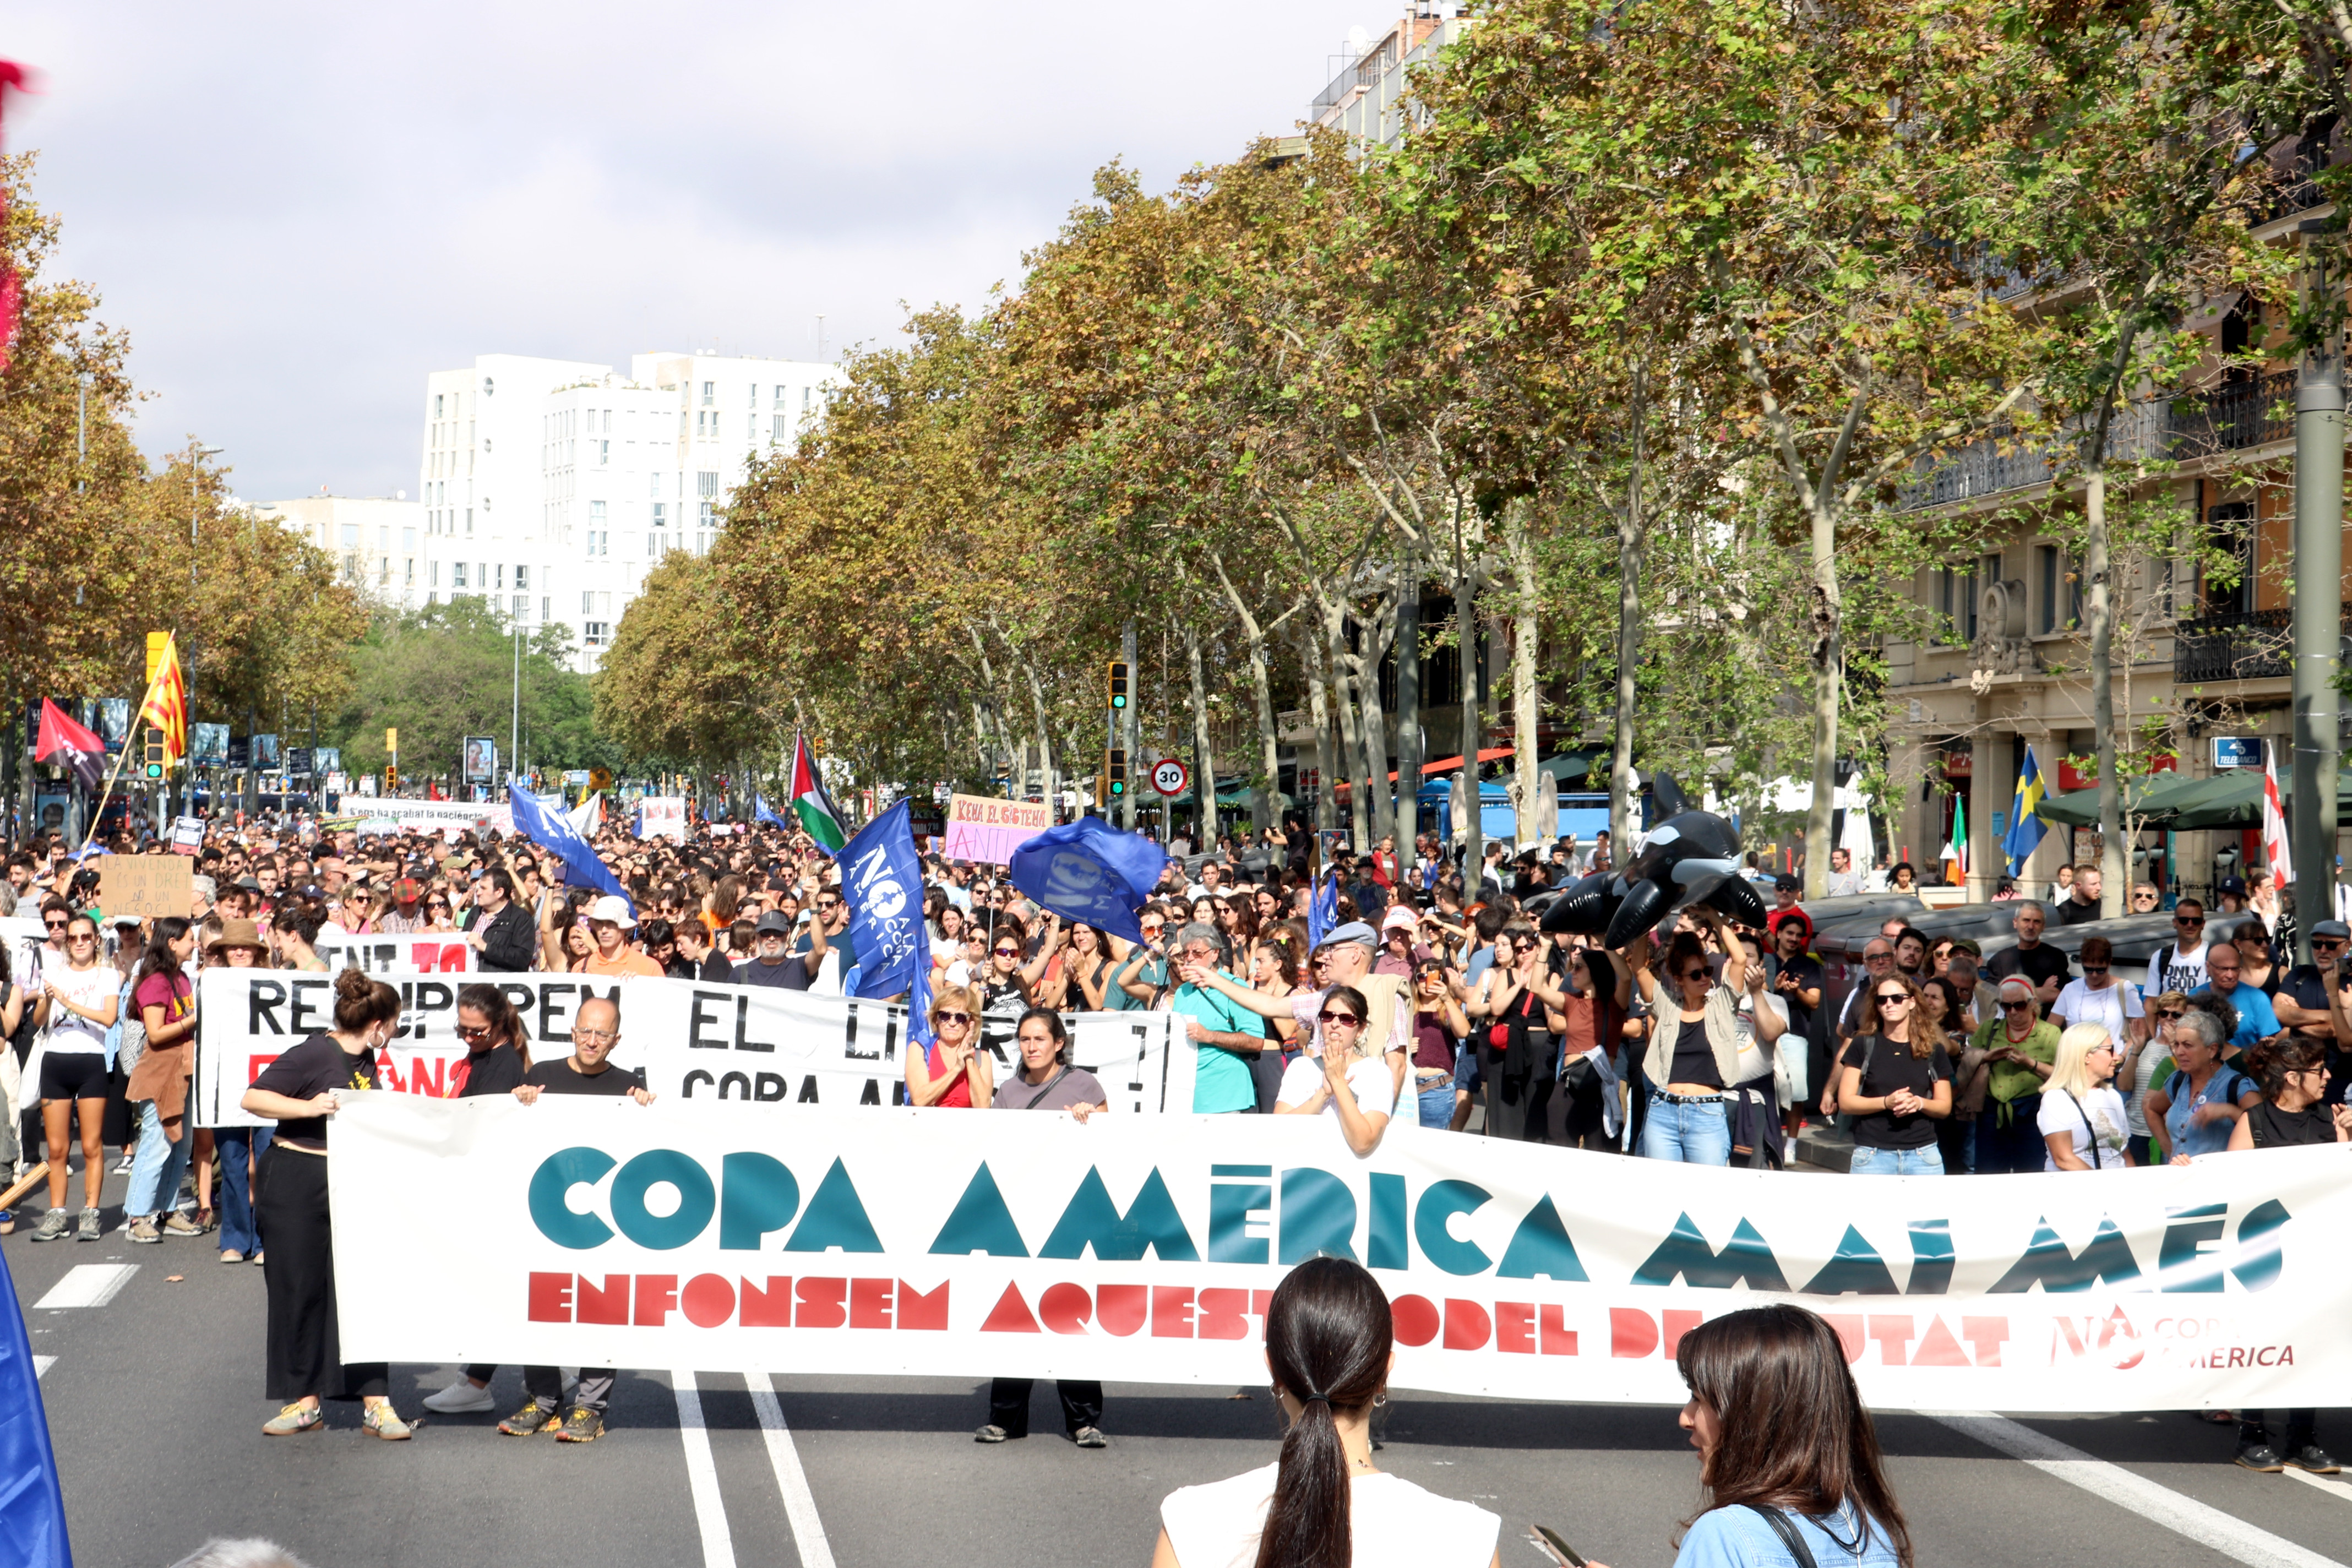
pixel 1548 1542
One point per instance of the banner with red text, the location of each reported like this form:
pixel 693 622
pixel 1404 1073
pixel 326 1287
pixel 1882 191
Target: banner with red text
pixel 722 1238
pixel 986 829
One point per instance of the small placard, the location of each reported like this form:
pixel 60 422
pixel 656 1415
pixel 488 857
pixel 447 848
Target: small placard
pixel 145 885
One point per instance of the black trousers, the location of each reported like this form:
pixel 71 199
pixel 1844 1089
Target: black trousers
pixel 1008 1405
pixel 305 1354
pixel 2302 1427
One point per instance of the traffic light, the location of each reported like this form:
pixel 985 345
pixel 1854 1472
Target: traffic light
pixel 154 755
pixel 1115 771
pixel 1118 684
pixel 390 778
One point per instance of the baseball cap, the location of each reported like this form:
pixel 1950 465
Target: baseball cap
pixel 613 908
pixel 774 922
pixel 1968 945
pixel 407 891
pixel 2232 885
pixel 1399 917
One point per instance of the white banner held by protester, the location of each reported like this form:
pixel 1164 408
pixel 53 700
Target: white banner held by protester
pixel 417 952
pixel 694 1041
pixel 689 1234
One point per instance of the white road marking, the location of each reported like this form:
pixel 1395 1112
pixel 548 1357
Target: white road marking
pixel 2333 1488
pixel 41 1364
pixel 702 1475
pixel 2225 1534
pixel 800 1503
pixel 86 1285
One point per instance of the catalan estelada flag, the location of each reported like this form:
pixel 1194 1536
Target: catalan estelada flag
pixel 165 705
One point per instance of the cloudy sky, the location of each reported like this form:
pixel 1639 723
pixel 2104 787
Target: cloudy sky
pixel 298 210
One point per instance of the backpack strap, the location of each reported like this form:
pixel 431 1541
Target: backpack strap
pixel 1787 1532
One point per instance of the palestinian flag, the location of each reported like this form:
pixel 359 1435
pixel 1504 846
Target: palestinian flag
pixel 63 742
pixel 809 803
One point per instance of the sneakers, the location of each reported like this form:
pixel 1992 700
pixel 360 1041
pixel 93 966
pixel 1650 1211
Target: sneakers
pixel 2260 1456
pixel 295 1418
pixel 2313 1458
pixel 87 1229
pixel 384 1421
pixel 122 1166
pixel 53 1225
pixel 180 1224
pixel 229 1255
pixel 531 1419
pixel 1090 1438
pixel 583 1426
pixel 462 1398
pixel 992 1433
pixel 142 1231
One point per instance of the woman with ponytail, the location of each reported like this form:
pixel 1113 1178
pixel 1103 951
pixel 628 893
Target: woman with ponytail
pixel 1328 1342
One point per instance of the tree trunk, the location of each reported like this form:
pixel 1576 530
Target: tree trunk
pixel 1408 709
pixel 2114 862
pixel 1265 786
pixel 1828 661
pixel 1465 621
pixel 1527 780
pixel 1318 709
pixel 1335 624
pixel 1372 727
pixel 1622 786
pixel 1204 767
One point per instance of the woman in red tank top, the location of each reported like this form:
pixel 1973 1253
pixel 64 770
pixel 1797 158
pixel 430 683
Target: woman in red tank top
pixel 953 1070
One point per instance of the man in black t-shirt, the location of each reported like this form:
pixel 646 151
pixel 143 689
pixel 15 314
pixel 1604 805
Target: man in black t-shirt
pixel 2039 966
pixel 2300 999
pixel 589 1070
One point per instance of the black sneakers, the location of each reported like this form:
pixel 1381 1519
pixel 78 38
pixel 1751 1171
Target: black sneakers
pixel 2313 1458
pixel 2260 1456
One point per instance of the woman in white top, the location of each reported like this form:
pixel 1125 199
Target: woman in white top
pixel 78 1004
pixel 2082 1117
pixel 1349 1081
pixel 1329 1344
pixel 2100 997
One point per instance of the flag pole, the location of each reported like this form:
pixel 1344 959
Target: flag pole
pixel 99 810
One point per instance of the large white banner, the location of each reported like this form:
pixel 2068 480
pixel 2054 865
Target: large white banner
pixel 424 952
pixel 687 1234
pixel 694 1041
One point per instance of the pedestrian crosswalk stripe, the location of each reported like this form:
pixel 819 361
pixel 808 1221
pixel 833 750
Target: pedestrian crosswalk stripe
pixel 86 1285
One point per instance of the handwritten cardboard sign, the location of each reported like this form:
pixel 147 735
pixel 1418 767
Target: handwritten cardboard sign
pixel 144 885
pixel 983 828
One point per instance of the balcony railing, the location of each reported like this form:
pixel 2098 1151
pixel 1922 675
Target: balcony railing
pixel 2233 416
pixel 2238 644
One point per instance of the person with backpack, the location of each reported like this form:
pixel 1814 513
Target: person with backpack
pixel 2196 1110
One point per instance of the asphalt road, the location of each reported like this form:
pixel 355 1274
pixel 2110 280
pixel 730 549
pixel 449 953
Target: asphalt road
pixel 156 1408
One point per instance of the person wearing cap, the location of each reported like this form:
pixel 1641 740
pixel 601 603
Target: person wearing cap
pixel 407 915
pixel 2019 1050
pixel 612 926
pixel 770 964
pixel 2231 892
pixel 2309 999
pixel 1399 952
pixel 239 945
pixel 1344 958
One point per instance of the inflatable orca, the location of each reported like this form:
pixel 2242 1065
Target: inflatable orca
pixel 1690 858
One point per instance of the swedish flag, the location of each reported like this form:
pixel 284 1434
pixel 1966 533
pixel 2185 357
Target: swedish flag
pixel 2025 825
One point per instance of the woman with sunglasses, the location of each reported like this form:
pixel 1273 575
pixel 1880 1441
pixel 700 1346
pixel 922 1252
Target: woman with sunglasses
pixel 1516 1002
pixel 1077 982
pixel 2292 1112
pixel 2020 1047
pixel 2099 997
pixel 1139 970
pixel 2191 1112
pixel 436 912
pixel 1350 1081
pixel 1046 1082
pixel 1274 971
pixel 1894 1078
pixel 1011 983
pixel 953 1072
pixel 1439 1027
pixel 78 1004
pixel 1698 1033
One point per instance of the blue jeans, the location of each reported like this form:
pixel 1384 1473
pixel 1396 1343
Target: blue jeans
pixel 1696 1133
pixel 240 1230
pixel 156 1169
pixel 1437 1104
pixel 1922 1162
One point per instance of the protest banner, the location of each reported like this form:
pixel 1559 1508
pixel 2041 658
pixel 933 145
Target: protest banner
pixel 396 952
pixel 689 1234
pixel 138 886
pixel 986 829
pixel 443 816
pixel 662 817
pixel 694 1041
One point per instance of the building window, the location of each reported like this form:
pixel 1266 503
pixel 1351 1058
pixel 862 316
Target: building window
pixel 350 536
pixel 805 408
pixel 433 573
pixel 489 386
pixel 661 514
pixel 412 572
pixel 522 606
pixel 779 397
pixel 2229 530
pixel 710 393
pixel 522 579
pixel 384 570
pixel 437 407
pixel 707 517
pixel 588 603
pixel 776 427
pixel 596 512
pixel 705 483
pixel 546 607
pixel 604 452
pixel 653 483
pixel 594 634
pixel 408 541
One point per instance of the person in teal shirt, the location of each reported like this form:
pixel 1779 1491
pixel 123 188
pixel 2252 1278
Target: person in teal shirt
pixel 1225 1035
pixel 1142 964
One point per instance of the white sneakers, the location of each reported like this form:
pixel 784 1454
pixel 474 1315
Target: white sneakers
pixel 460 1398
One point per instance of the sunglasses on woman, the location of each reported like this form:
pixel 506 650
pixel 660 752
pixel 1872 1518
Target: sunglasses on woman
pixel 1328 1016
pixel 947 1016
pixel 1894 999
pixel 2169 1012
pixel 1008 953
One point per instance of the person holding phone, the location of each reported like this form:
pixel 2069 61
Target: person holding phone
pixel 299 1091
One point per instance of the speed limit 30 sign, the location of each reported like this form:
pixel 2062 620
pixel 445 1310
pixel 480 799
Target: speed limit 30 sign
pixel 1168 776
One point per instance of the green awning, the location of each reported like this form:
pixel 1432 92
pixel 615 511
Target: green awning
pixel 2155 797
pixel 2230 799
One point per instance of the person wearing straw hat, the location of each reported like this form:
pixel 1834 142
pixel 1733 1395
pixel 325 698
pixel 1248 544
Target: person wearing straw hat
pixel 239 945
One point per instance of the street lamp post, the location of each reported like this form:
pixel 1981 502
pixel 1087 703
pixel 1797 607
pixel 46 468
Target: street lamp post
pixel 198 452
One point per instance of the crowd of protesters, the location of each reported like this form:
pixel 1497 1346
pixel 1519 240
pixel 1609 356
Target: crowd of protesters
pixel 1379 990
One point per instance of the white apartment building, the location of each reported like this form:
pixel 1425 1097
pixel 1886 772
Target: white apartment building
pixel 1367 96
pixel 378 542
pixel 552 486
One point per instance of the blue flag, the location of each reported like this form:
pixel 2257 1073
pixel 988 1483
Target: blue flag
pixel 548 829
pixel 2025 825
pixel 32 1508
pixel 1323 910
pixel 1090 873
pixel 883 881
pixel 761 812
